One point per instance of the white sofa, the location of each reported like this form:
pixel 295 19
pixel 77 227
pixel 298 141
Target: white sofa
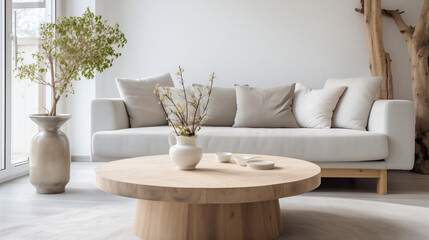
pixel 388 142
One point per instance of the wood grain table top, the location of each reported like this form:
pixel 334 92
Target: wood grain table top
pixel 156 178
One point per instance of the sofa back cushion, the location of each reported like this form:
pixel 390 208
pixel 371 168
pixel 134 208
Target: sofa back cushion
pixel 265 107
pixel 140 101
pixel 353 109
pixel 314 108
pixel 222 106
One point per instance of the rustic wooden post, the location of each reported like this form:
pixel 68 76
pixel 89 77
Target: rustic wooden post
pixel 417 39
pixel 378 58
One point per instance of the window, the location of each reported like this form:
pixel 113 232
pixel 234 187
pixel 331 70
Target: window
pixel 2 86
pixel 20 34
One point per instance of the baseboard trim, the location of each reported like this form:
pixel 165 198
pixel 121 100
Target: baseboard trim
pixel 80 159
pixel 379 174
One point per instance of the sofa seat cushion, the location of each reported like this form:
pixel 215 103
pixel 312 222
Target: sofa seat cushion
pixel 316 145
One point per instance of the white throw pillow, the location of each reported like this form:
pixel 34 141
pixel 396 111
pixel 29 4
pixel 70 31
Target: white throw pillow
pixel 140 101
pixel 314 108
pixel 222 106
pixel 265 107
pixel 354 106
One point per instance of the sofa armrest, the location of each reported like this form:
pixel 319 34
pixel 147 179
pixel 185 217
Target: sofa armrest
pixel 108 114
pixel 395 118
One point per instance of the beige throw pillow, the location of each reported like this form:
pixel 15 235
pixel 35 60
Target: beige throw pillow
pixel 222 106
pixel 354 106
pixel 314 108
pixel 265 107
pixel 140 101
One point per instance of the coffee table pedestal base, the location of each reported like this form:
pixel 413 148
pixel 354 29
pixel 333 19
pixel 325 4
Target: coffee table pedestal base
pixel 172 220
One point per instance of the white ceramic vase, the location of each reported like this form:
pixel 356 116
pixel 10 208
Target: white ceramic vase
pixel 185 154
pixel 50 154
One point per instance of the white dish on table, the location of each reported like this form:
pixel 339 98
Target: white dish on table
pixel 260 164
pixel 242 160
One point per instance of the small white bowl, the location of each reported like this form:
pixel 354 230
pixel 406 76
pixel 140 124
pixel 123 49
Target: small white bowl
pixel 223 157
pixel 260 164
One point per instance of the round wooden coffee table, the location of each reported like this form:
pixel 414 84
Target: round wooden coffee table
pixel 215 201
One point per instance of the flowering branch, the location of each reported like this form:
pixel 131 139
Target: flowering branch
pixel 185 120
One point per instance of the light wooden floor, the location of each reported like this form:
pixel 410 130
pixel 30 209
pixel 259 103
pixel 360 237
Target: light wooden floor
pixel 19 202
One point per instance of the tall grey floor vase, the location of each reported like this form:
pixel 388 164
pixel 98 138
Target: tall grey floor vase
pixel 50 154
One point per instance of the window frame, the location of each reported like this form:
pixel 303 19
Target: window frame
pixel 8 170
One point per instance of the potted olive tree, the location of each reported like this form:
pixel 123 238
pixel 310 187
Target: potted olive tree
pixel 71 48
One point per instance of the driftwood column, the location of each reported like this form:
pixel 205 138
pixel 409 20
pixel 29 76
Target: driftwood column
pixel 378 58
pixel 417 39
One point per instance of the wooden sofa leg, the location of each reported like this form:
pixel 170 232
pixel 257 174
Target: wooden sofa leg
pixel 379 174
pixel 382 182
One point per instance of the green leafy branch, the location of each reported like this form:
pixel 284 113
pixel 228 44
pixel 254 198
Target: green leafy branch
pixel 72 47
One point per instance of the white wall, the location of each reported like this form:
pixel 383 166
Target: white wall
pixel 264 43
pixel 257 42
pixel 78 104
